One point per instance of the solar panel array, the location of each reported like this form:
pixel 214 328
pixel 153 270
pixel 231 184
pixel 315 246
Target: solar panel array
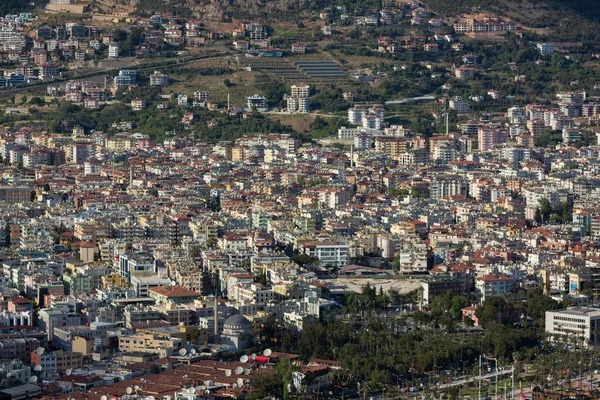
pixel 281 67
pixel 321 69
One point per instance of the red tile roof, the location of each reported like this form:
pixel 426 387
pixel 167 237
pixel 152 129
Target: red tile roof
pixel 174 291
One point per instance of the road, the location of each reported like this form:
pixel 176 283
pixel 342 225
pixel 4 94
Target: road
pixel 410 99
pixel 98 75
pixel 475 379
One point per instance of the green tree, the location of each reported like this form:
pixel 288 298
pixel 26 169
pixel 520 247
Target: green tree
pixel 303 259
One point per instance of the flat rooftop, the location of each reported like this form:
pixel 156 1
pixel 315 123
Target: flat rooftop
pixel 581 311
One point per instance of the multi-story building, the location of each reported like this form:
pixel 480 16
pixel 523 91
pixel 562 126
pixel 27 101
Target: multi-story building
pixel 439 287
pixel 392 146
pixel 459 105
pixel 493 285
pixel 579 324
pixel 113 50
pixel 447 186
pixel 153 343
pixel 490 137
pixel 257 102
pixel 130 262
pixel 125 79
pixel 159 79
pixel 327 253
pixel 545 48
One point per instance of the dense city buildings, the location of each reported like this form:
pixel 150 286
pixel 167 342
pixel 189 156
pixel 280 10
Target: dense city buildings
pixel 210 201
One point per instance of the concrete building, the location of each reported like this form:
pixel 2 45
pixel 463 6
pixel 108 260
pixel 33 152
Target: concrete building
pixel 493 285
pixel 130 262
pixel 490 137
pixel 113 50
pixel 545 48
pixel 580 324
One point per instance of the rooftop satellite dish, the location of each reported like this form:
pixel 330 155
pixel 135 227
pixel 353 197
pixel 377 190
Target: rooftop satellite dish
pixel 238 370
pixel 129 390
pixel 150 398
pixel 193 352
pixel 227 372
pixel 192 390
pixel 246 371
pixel 33 379
pixel 253 356
pixel 37 368
pixel 198 389
pixel 68 372
pixel 103 397
pixel 39 351
pixel 173 283
pixel 240 382
pixel 136 387
pixel 244 359
pixel 182 352
pixel 267 352
pixel 210 383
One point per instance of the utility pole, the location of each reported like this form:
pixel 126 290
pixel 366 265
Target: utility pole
pixel 479 396
pixel 496 397
pixel 512 392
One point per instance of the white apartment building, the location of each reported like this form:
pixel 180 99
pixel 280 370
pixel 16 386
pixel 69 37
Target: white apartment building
pixel 300 90
pixel 545 48
pixel 328 253
pixel 459 105
pixel 113 50
pixel 580 323
pixel 493 285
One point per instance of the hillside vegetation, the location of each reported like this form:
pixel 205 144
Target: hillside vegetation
pixel 537 13
pixel 17 6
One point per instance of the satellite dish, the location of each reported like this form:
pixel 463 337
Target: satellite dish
pixel 182 352
pixel 129 390
pixel 267 352
pixel 253 356
pixel 210 383
pixel 240 382
pixel 198 389
pixel 173 283
pixel 239 370
pixel 136 387
pixel 37 368
pixel 103 397
pixel 39 351
pixel 244 359
pixel 193 352
pixel 192 390
pixel 227 372
pixel 68 372
pixel 246 371
pixel 33 379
